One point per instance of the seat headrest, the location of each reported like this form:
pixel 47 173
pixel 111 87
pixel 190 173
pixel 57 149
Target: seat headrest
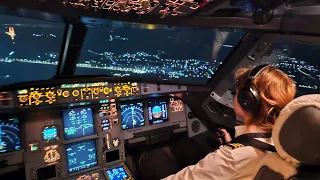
pixel 296 133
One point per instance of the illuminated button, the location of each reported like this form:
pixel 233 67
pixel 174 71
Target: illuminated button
pixel 145 4
pixel 59 92
pixel 102 114
pixel 65 94
pixel 116 142
pixel 75 93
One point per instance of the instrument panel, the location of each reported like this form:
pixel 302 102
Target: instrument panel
pixel 81 92
pixel 79 131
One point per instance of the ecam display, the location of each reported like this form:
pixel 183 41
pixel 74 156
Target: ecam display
pixel 78 123
pixel 81 155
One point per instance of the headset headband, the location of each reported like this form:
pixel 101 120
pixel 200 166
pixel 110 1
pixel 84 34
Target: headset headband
pixel 256 71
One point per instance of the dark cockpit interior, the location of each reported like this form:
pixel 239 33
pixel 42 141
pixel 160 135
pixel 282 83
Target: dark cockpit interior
pixel 136 89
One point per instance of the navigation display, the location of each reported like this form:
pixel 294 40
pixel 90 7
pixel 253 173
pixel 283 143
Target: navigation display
pixel 81 155
pixel 29 49
pixel 155 52
pixel 9 135
pixel 300 61
pixel 132 115
pixel 78 123
pixel 157 112
pixel 117 173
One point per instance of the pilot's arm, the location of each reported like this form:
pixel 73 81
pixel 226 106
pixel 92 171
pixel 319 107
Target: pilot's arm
pixel 219 165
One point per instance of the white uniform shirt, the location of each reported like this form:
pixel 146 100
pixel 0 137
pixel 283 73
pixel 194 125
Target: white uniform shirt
pixel 226 163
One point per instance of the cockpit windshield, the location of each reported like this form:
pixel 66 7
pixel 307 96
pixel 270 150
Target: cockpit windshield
pixel 157 52
pixel 300 61
pixel 29 49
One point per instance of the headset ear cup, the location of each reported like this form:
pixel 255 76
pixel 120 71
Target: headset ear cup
pixel 246 100
pixel 255 98
pixel 242 100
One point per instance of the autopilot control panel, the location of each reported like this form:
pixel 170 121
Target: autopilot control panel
pixel 80 131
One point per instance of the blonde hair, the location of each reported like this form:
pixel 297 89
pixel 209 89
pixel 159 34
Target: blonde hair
pixel 276 89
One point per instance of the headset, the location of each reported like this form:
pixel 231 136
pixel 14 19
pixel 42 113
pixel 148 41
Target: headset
pixel 249 97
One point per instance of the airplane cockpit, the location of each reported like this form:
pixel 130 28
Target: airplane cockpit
pixel 128 89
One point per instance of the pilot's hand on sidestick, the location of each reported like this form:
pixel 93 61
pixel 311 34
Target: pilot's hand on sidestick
pixel 227 136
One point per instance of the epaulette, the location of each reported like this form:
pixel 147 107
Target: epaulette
pixel 234 145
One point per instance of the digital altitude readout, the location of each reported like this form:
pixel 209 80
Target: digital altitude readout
pixel 132 115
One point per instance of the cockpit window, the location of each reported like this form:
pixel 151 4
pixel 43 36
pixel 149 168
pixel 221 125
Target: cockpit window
pixel 155 51
pixel 300 61
pixel 29 49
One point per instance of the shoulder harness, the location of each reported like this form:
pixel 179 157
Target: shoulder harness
pixel 249 140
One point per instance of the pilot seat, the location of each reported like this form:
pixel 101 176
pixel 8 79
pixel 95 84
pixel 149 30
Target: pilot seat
pixel 296 136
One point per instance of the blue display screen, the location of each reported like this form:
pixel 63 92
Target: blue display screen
pixel 49 133
pixel 117 173
pixel 157 112
pixel 78 123
pixel 132 115
pixel 81 155
pixel 9 135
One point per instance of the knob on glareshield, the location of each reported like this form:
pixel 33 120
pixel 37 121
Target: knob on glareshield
pixel 190 115
pixel 145 4
pixel 122 5
pixel 163 13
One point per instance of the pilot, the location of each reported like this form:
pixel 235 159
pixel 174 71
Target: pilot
pixel 261 93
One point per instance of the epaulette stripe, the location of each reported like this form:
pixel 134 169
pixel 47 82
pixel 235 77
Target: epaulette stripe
pixel 235 145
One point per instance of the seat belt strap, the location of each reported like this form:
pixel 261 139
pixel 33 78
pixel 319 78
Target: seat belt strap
pixel 249 140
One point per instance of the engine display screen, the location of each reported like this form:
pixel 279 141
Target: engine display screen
pixel 117 173
pixel 81 155
pixel 9 135
pixel 132 115
pixel 157 112
pixel 49 133
pixel 78 123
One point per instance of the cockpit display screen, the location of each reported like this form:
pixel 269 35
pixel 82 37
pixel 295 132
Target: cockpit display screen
pixel 78 123
pixel 81 155
pixel 49 133
pixel 132 115
pixel 117 173
pixel 157 112
pixel 9 135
